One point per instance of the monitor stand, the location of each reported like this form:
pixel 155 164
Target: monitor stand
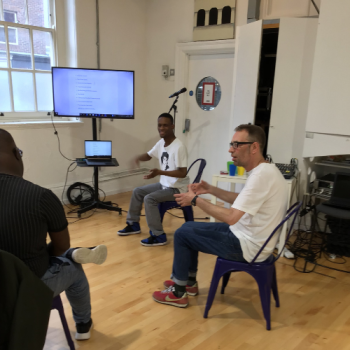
pixel 96 203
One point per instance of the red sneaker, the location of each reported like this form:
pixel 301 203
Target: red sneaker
pixel 168 297
pixel 191 290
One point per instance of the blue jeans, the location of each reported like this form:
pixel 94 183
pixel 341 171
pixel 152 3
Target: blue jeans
pixel 65 275
pixel 211 238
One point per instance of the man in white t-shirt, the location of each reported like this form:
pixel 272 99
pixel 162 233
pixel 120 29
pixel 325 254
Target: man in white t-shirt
pixel 244 227
pixel 172 155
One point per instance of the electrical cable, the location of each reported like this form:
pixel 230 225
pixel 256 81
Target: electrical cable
pixel 71 210
pixel 104 193
pixel 335 262
pixel 81 198
pixel 70 223
pixel 311 251
pixel 59 142
pixel 316 8
pixel 328 267
pixel 65 183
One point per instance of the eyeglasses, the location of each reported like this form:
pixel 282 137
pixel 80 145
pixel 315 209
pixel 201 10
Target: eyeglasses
pixel 20 152
pixel 235 144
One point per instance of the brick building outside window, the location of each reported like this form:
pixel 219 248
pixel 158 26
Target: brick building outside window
pixel 27 52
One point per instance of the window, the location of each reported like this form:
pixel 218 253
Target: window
pixel 213 16
pixel 201 18
pixel 226 15
pixel 12 32
pixel 26 56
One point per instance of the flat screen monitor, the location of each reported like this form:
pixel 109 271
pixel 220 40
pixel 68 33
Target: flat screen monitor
pixel 93 93
pixel 98 149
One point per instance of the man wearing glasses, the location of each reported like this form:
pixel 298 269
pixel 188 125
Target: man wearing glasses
pixel 28 213
pixel 242 229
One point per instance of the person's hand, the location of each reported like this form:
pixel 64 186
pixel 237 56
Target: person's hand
pixel 184 199
pixel 200 188
pixel 135 163
pixel 152 173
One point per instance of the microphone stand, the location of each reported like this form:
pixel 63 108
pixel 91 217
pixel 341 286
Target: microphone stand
pixel 174 107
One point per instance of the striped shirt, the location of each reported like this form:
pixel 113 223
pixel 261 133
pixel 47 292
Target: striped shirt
pixel 27 213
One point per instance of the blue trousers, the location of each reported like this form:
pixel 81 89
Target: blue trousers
pixel 211 238
pixel 66 275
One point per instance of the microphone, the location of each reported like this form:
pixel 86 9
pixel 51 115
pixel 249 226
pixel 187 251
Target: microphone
pixel 178 93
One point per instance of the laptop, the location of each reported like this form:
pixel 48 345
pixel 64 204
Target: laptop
pixel 98 153
pixel 340 196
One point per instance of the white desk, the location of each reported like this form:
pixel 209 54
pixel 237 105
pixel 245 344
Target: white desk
pixel 241 180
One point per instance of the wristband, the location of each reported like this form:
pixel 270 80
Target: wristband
pixel 193 201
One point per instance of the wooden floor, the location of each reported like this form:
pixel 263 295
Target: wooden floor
pixel 314 312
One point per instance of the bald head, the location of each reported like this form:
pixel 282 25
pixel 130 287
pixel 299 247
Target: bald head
pixel 10 159
pixel 6 141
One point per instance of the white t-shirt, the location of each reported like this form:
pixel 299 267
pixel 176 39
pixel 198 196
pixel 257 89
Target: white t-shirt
pixel 170 158
pixel 264 201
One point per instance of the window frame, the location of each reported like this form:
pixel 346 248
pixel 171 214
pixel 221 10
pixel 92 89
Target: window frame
pixel 15 14
pixel 34 116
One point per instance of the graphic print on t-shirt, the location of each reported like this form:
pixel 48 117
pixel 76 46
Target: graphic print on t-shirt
pixel 165 160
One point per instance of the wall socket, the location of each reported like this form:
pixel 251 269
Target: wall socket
pixel 165 71
pixel 187 124
pixel 172 72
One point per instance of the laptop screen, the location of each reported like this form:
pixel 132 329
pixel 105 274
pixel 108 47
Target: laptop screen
pixel 341 189
pixel 98 149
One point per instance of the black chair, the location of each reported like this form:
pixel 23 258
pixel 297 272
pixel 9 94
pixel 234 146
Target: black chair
pixel 188 211
pixel 24 305
pixel 57 304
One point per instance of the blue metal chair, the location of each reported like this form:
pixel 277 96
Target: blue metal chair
pixel 264 272
pixel 188 211
pixel 57 304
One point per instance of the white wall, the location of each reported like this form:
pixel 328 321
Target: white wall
pixel 295 54
pixel 137 35
pixel 123 46
pixel 329 99
pixel 272 9
pixel 168 22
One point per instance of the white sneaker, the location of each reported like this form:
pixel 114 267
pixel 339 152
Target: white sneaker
pixel 97 255
pixel 288 254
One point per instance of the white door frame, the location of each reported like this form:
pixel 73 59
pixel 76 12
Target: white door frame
pixel 183 53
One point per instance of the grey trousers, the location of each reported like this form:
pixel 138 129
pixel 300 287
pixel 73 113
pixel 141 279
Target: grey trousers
pixel 65 275
pixel 151 195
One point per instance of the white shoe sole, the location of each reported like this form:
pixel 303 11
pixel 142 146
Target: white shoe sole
pixel 153 245
pixel 172 304
pixel 128 233
pixel 84 336
pixel 96 256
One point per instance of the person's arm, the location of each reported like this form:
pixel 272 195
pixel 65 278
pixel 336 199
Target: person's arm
pixel 141 158
pixel 53 214
pixel 203 188
pixel 178 173
pixel 60 242
pixel 229 216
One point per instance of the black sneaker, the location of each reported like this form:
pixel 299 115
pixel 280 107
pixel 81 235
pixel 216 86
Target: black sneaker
pixel 153 240
pixel 83 330
pixel 130 229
